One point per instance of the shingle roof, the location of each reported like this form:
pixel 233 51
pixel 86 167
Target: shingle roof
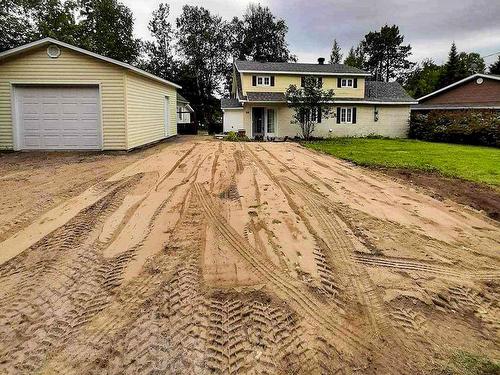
pixel 226 103
pixel 255 66
pixel 266 97
pixel 180 98
pixel 428 107
pixel 386 92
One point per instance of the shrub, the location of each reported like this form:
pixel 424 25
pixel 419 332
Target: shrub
pixel 233 137
pixel 467 127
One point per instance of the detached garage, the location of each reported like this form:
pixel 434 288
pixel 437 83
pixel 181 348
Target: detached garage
pixel 55 96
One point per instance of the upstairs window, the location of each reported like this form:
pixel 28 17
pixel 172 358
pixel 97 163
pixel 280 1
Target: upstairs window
pixel 347 82
pixel 263 80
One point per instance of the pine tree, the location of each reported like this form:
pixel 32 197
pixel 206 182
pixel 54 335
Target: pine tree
pixel 453 70
pixel 495 67
pixel 336 54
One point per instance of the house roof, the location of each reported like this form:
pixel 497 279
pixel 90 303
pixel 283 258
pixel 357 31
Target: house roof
pixel 180 98
pixel 297 68
pixel 386 92
pixel 228 103
pixel 429 107
pixel 478 75
pixel 47 41
pixel 375 92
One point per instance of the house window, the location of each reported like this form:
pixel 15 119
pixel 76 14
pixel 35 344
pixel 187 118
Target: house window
pixel 270 120
pixel 347 82
pixel 179 113
pixel 263 80
pixel 346 115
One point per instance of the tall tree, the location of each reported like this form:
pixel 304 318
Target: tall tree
pixel 106 28
pixel 260 36
pixel 160 60
pixel 387 57
pixel 495 67
pixel 424 79
pixel 452 70
pixel 15 25
pixel 355 57
pixel 203 45
pixel 336 54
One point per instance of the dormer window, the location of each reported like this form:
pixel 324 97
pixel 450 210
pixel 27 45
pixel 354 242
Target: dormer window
pixel 347 82
pixel 263 80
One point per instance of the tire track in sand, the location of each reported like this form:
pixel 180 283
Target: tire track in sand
pixel 303 302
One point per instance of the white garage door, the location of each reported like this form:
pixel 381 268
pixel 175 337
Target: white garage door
pixel 58 118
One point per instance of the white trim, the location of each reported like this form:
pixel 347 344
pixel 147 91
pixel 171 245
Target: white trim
pixel 458 83
pixel 44 41
pixel 263 78
pixel 347 80
pixel 371 102
pixel 305 73
pixel 346 109
pixel 232 109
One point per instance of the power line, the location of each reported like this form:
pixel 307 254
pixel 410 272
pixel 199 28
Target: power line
pixel 491 54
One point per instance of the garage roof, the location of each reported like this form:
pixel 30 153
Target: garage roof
pixel 47 41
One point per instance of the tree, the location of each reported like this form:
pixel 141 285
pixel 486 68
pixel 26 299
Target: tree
pixel 260 36
pixel 424 79
pixel 471 63
pixel 106 28
pixel 203 45
pixel 495 67
pixel 15 26
pixel 160 59
pixel 356 57
pixel 452 70
pixel 387 57
pixel 336 54
pixel 311 104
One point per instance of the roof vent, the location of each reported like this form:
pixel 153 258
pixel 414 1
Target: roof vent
pixel 53 51
pixel 321 60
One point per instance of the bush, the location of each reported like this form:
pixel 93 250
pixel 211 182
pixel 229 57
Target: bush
pixel 467 127
pixel 233 137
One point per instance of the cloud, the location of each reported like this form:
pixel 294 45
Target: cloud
pixel 428 25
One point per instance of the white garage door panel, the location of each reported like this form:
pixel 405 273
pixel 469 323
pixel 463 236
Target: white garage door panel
pixel 58 117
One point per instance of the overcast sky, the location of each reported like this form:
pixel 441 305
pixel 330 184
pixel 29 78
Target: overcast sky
pixel 428 25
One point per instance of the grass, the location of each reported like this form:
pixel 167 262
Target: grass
pixel 473 163
pixel 464 363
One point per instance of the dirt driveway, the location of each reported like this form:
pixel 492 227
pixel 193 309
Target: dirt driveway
pixel 201 256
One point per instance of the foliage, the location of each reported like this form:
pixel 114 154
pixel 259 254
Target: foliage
pixel 423 79
pixel 464 363
pixel 356 57
pixel 387 57
pixel 459 66
pixel 260 36
pixel 495 67
pixel 473 163
pixel 204 48
pixel 234 137
pixel 310 103
pixel 106 28
pixel 160 60
pixel 469 127
pixel 471 63
pixel 336 54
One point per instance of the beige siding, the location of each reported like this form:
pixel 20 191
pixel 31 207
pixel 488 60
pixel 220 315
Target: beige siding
pixel 70 67
pixel 283 81
pixel 393 122
pixel 146 110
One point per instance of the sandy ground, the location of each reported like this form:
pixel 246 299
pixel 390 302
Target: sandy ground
pixel 201 256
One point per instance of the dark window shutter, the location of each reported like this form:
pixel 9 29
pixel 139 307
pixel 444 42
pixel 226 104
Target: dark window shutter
pixel 302 81
pixel 338 115
pixel 339 82
pixel 272 80
pixel 355 83
pixel 320 82
pixel 354 115
pixel 254 80
pixel 319 115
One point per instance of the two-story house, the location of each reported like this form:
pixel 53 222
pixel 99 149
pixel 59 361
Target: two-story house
pixel 257 104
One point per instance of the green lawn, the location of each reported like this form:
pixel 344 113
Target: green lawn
pixel 474 163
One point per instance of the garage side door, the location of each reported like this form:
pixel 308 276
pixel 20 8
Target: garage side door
pixel 58 118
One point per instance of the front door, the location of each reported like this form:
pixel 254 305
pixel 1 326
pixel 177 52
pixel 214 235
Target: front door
pixel 258 115
pixel 270 122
